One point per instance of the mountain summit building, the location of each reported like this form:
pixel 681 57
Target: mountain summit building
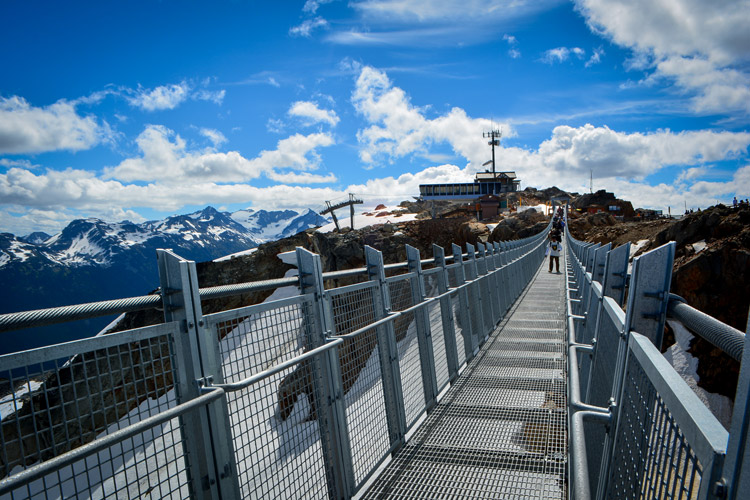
pixel 484 183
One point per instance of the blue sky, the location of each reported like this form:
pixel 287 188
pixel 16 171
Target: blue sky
pixel 138 110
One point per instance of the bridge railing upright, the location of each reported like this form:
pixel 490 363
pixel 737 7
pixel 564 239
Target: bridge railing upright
pixel 637 429
pixel 304 395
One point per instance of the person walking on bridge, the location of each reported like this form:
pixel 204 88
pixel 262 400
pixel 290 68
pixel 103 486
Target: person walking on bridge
pixel 553 250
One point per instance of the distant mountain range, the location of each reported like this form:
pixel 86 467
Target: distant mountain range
pixel 93 260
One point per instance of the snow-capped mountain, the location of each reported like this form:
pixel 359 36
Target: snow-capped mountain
pixel 93 260
pixel 269 226
pixel 202 235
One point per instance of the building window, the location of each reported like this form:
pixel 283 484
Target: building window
pixel 614 208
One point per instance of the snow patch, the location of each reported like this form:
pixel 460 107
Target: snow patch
pixel 238 254
pixel 387 215
pixel 699 246
pixel 12 402
pixel 686 365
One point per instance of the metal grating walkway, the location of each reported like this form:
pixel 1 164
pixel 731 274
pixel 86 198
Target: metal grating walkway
pixel 501 430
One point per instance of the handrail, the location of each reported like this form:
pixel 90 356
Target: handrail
pixel 257 377
pixel 728 339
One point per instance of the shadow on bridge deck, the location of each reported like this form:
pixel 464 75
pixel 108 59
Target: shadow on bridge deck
pixel 500 431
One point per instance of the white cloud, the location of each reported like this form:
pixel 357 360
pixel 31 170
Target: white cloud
pixel 160 98
pixel 445 10
pixel 561 54
pixel 701 46
pixel 6 162
pixel 596 57
pixel 513 52
pixel 165 158
pixel 28 129
pixel 433 24
pixel 693 173
pixel 312 114
pixel 311 6
pixel 216 137
pixel 170 96
pixel 575 151
pixel 308 26
pixel 215 96
pixel 399 129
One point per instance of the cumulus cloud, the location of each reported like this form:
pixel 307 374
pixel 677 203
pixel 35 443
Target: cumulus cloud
pixel 399 129
pixel 612 154
pixel 216 137
pixel 166 158
pixel 311 113
pixel 697 45
pixel 561 54
pixel 170 96
pixel 160 98
pixel 29 129
pixel 308 26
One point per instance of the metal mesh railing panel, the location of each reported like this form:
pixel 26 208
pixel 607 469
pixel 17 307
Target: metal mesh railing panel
pixel 652 458
pixel 57 398
pixel 352 309
pixel 365 403
pixel 411 370
pixel 434 313
pixel 261 337
pixel 438 344
pixel 149 465
pixel 273 423
pixel 459 318
pixel 276 437
pixel 602 372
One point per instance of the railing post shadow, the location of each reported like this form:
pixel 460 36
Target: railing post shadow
pixel 388 350
pixel 212 466
pixel 446 314
pixel 327 377
pixel 467 325
pixel 424 333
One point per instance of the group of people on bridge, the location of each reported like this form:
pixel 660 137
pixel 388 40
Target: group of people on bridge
pixel 554 247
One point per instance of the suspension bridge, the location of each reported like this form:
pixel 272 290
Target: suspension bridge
pixel 477 374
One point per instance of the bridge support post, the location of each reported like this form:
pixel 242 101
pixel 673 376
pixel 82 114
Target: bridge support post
pixel 475 296
pixel 424 333
pixel 488 299
pixel 327 378
pixel 388 350
pixel 213 469
pixel 467 325
pixel 503 277
pixel 488 256
pixel 446 313
pixel 502 292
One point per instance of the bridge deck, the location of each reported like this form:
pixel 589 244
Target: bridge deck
pixel 501 430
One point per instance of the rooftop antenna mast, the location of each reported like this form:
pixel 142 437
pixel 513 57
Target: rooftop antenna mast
pixel 591 182
pixel 494 136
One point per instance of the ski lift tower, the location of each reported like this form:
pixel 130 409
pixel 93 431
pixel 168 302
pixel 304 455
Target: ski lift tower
pixel 332 208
